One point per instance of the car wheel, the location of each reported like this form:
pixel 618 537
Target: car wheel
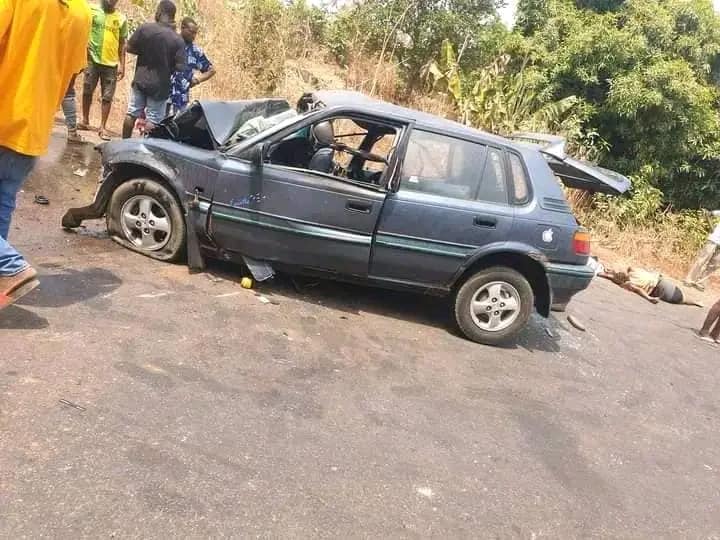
pixel 493 305
pixel 144 215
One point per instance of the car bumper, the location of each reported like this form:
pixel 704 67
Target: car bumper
pixel 566 280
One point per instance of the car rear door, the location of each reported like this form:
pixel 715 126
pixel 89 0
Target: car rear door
pixel 452 199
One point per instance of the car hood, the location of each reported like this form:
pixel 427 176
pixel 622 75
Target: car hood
pixel 223 118
pixel 574 173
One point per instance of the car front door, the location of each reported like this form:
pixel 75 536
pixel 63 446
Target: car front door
pixel 452 200
pixel 295 216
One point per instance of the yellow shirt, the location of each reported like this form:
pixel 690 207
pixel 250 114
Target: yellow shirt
pixel 644 279
pixel 43 43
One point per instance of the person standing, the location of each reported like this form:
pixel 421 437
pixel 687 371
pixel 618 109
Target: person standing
pixel 198 68
pixel 106 61
pixel 160 52
pixel 69 108
pixel 43 44
pixel 707 260
pixel 710 330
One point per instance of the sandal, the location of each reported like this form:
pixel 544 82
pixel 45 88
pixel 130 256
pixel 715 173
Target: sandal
pixel 84 127
pixel 104 135
pixel 706 339
pixel 41 199
pixel 27 282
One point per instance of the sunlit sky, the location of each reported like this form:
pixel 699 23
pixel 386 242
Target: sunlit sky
pixel 508 12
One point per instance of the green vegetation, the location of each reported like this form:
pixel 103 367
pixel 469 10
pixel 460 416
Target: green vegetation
pixel 632 84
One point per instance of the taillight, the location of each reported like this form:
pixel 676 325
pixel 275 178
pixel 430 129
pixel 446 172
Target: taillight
pixel 581 242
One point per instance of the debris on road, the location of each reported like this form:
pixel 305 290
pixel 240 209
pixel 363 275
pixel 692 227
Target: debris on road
pixel 246 283
pixel 549 333
pixel 260 270
pixel 73 405
pixel 81 172
pixel 41 199
pixel 263 299
pixel 227 295
pixel 154 295
pixel 577 324
pixel 425 492
pixel 214 278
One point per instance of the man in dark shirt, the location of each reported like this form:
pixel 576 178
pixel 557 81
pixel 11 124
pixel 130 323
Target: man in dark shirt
pixel 160 52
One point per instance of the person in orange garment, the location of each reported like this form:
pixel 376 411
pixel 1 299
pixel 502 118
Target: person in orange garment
pixel 43 44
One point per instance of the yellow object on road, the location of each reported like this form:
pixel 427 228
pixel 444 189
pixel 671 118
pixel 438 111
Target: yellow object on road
pixel 246 283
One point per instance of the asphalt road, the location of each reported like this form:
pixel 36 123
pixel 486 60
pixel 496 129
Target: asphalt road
pixel 194 409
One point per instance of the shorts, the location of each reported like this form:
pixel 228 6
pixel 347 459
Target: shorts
pixel 107 75
pixel 155 109
pixel 668 292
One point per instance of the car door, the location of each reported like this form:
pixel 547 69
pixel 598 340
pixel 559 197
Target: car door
pixel 295 216
pixel 452 199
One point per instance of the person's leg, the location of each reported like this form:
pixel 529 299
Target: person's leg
pixel 69 108
pixel 713 318
pixel 92 75
pixel 108 82
pixel 135 109
pixel 698 268
pixel 14 168
pixel 155 111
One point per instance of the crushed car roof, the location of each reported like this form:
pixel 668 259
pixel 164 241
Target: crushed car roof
pixel 349 98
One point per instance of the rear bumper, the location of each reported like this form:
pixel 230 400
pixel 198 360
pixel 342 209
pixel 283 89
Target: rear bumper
pixel 566 280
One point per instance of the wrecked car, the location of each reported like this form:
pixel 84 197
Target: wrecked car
pixel 356 189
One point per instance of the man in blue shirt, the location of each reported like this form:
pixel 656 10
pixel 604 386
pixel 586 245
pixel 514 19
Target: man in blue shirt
pixel 198 68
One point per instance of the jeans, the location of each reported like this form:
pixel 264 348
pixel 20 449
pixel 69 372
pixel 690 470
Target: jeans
pixel 155 109
pixel 14 168
pixel 69 108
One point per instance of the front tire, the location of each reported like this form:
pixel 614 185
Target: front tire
pixel 493 305
pixel 143 215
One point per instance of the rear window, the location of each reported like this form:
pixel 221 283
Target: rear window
pixel 521 190
pixel 493 187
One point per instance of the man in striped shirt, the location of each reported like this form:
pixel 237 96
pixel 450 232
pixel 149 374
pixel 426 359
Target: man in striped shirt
pixel 106 60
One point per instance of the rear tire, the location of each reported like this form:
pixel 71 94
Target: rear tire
pixel 143 215
pixel 493 305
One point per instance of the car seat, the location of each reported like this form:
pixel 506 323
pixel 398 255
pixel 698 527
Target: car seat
pixel 323 137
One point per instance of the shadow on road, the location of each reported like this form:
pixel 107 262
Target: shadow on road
pixel 17 318
pixel 70 286
pixel 405 306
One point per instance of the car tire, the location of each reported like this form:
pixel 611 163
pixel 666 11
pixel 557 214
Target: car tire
pixel 493 305
pixel 145 216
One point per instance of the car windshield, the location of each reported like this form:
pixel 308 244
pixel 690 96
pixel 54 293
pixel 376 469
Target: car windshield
pixel 261 124
pixel 260 127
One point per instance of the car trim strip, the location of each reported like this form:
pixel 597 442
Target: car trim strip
pixel 423 246
pixel 266 221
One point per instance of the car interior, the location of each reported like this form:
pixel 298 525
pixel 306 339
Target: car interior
pixel 347 148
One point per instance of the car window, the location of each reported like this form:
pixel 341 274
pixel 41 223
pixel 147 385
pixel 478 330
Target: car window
pixel 493 187
pixel 442 165
pixel 521 191
pixel 349 149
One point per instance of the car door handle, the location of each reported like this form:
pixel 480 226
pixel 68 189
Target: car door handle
pixel 487 222
pixel 359 206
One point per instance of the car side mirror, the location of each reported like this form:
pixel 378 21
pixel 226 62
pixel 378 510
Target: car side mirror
pixel 258 154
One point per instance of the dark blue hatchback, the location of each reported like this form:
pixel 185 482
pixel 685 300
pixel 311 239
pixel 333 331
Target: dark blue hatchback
pixel 357 189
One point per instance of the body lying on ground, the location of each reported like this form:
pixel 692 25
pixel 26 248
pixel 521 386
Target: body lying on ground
pixel 652 286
